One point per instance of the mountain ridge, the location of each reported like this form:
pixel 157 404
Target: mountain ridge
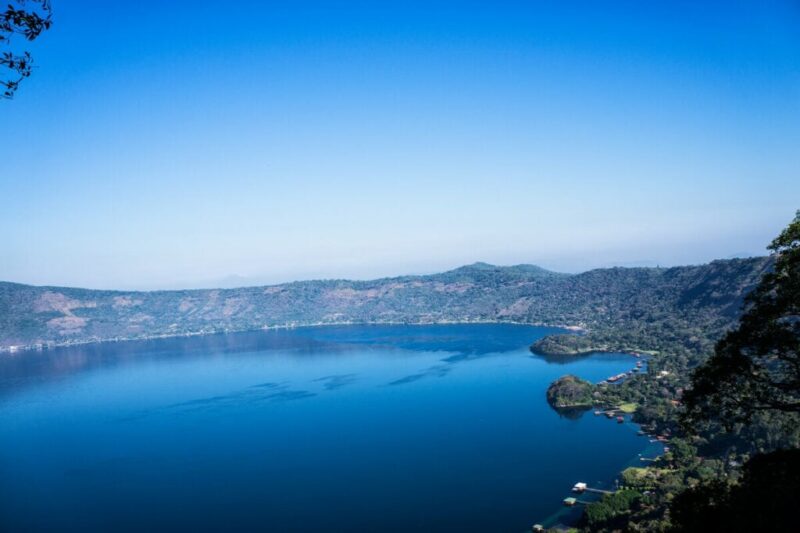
pixel 37 316
pixel 471 267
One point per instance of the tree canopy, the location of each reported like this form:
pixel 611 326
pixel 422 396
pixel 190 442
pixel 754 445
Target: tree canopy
pixel 762 500
pixel 756 367
pixel 28 19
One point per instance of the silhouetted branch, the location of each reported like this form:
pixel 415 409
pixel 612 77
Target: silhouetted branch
pixel 21 19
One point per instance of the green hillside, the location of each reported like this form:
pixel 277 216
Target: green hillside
pixel 622 304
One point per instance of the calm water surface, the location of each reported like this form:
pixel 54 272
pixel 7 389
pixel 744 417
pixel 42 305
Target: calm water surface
pixel 357 428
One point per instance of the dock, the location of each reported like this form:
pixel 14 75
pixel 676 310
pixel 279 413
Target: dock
pixel 581 487
pixel 599 491
pixel 572 502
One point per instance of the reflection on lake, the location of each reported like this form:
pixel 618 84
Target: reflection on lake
pixel 354 428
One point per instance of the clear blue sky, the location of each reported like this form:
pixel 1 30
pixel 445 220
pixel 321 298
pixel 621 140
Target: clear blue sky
pixel 177 146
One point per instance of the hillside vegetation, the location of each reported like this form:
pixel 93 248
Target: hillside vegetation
pixel 663 304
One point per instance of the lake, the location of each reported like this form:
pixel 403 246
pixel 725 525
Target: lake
pixel 340 428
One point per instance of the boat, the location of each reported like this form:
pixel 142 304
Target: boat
pixel 618 377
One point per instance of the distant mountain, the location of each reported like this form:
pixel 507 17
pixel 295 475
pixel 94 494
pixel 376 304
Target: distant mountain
pixel 694 295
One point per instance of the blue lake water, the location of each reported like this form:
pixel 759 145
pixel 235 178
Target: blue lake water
pixel 352 428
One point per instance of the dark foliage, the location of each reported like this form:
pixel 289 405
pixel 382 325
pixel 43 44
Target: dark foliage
pixel 763 500
pixel 756 367
pixel 27 19
pixel 610 512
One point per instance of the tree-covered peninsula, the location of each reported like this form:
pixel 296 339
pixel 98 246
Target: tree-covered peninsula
pixel 566 345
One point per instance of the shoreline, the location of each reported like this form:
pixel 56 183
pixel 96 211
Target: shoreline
pixel 41 346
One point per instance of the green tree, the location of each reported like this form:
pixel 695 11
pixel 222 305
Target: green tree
pixel 756 367
pixel 682 453
pixel 28 19
pixel 610 510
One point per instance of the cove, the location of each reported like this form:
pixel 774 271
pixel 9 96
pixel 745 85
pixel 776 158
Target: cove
pixel 341 428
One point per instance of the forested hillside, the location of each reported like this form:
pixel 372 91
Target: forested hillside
pixel 663 303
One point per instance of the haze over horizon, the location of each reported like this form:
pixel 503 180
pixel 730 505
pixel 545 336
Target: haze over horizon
pixel 355 141
pixel 234 281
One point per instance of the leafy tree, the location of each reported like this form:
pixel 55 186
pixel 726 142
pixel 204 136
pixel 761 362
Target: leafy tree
pixel 751 385
pixel 638 478
pixel 610 510
pixel 21 17
pixel 682 453
pixel 756 367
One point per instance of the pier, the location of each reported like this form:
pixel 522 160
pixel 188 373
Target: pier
pixel 572 502
pixel 581 487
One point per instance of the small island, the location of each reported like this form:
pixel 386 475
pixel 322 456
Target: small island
pixel 570 392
